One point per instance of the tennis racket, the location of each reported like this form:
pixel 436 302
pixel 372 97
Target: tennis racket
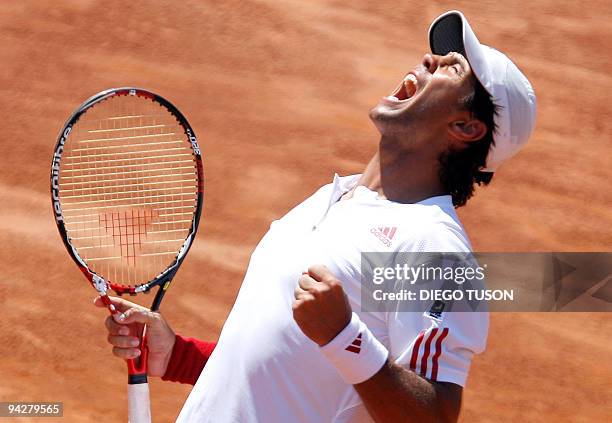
pixel 127 191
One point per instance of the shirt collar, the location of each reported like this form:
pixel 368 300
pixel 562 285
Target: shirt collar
pixel 343 184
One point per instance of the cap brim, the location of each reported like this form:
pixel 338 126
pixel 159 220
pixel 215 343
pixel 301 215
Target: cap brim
pixel 446 34
pixel 452 32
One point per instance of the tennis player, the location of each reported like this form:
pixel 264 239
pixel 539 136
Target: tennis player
pixel 297 346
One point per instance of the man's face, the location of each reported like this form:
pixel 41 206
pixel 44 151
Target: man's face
pixel 429 96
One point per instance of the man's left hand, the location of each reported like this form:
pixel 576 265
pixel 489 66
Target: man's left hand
pixel 321 308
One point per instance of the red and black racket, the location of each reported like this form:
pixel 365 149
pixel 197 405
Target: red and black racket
pixel 127 192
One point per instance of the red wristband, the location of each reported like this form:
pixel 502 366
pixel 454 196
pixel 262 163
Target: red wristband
pixel 188 358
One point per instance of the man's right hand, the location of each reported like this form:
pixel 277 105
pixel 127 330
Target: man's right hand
pixel 123 334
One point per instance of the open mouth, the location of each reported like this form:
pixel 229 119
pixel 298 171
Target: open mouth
pixel 406 89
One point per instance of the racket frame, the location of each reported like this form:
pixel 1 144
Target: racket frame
pixel 137 369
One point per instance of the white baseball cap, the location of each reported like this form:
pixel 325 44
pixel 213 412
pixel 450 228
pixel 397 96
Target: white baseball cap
pixel 506 84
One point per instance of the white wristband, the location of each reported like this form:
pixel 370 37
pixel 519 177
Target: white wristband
pixel 355 352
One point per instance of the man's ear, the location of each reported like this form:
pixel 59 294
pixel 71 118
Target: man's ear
pixel 471 130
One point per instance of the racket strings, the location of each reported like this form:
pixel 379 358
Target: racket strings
pixel 128 188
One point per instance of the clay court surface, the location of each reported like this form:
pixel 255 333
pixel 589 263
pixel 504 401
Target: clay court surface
pixel 278 92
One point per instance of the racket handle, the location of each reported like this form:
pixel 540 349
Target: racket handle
pixel 139 402
pixel 139 407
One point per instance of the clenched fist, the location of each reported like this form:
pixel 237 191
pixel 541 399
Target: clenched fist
pixel 321 308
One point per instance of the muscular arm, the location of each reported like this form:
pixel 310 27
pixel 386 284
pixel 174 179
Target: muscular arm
pixel 396 394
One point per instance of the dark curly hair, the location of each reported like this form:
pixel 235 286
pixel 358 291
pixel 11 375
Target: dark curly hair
pixel 459 169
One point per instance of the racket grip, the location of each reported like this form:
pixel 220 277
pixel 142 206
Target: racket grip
pixel 139 407
pixel 137 367
pixel 139 402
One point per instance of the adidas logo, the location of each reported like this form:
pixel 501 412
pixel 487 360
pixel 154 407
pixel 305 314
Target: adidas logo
pixel 384 234
pixel 355 346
